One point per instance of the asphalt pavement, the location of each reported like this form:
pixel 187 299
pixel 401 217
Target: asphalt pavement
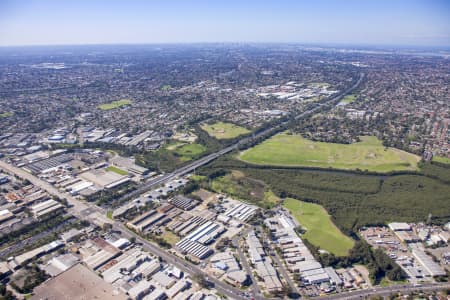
pixel 82 210
pixel 147 186
pixel 243 259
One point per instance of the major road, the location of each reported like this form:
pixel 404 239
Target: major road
pixel 145 187
pixel 83 210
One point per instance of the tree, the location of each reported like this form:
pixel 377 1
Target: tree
pixel 200 279
pixel 107 227
pixel 396 274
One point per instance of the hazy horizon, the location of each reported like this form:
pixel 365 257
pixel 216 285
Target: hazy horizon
pixel 384 23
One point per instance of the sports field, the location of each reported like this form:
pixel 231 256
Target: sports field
pixel 189 151
pixel 114 104
pixel 222 131
pixel 320 230
pixel 294 150
pixel 348 99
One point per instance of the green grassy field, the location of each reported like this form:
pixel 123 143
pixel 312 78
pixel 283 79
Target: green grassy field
pixel 294 150
pixel 6 115
pixel 170 237
pixel 173 145
pixel 116 170
pixel 238 186
pixel 222 131
pixel 441 159
pixel 320 230
pixel 189 151
pixel 348 99
pixel 114 104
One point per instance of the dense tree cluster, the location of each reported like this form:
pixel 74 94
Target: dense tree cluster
pixel 355 199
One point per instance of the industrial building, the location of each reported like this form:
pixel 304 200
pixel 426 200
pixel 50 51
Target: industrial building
pixel 146 220
pixel 297 256
pixel 141 289
pixel 78 186
pixel 125 264
pixel 255 249
pixel 334 277
pixel 3 178
pixel 5 215
pixel 183 202
pixel 193 248
pixel 27 256
pixel 237 277
pixel 50 163
pixel 178 287
pixel 46 207
pixel 267 272
pixel 206 233
pixel 100 258
pixel 241 211
pixel 105 179
pixel 60 263
pixel 156 294
pixel 399 226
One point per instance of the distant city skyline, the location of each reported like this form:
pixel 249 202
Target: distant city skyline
pixel 381 22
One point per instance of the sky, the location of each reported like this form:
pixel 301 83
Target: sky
pixel 357 22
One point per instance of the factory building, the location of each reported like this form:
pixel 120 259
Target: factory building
pixel 142 222
pixel 242 212
pixel 194 248
pixel 3 178
pixel 183 202
pixel 44 208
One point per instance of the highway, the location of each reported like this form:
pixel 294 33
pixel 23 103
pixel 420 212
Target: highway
pixel 83 210
pixel 386 291
pixel 147 186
